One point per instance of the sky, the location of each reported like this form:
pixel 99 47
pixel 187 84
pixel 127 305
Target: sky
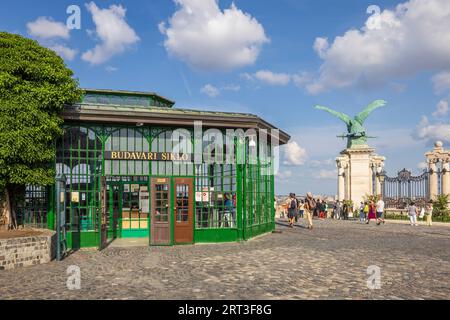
pixel 274 58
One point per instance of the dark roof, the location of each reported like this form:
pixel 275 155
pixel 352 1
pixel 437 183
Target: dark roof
pixel 152 115
pixel 167 117
pixel 129 93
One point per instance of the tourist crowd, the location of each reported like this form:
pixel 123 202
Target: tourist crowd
pixel 310 208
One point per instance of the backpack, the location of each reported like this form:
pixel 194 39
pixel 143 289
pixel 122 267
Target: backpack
pixel 366 208
pixel 294 204
pixel 311 203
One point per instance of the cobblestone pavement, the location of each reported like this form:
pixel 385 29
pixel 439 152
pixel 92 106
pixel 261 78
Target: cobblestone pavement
pixel 329 262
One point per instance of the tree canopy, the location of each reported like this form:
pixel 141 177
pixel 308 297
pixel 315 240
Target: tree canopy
pixel 35 85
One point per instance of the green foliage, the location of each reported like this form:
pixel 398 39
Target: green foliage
pixel 370 197
pixel 349 204
pixel 35 85
pixel 440 206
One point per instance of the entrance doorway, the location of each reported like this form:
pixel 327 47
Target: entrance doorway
pixel 159 209
pixel 183 211
pixel 163 217
pixel 129 208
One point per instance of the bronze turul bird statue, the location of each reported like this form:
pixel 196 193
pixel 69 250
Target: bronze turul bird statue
pixel 356 133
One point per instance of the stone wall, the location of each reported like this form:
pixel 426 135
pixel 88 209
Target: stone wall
pixel 27 251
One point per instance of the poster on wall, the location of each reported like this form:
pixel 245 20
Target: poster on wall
pixel 126 188
pixel 75 197
pixel 144 202
pixel 134 188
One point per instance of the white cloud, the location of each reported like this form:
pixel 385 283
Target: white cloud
pixel 284 175
pixel 232 87
pixel 115 34
pixel 441 109
pixel 422 165
pixel 294 154
pixel 432 131
pixel 210 91
pixel 271 78
pixel 302 78
pixel 51 34
pixel 46 28
pixel 327 174
pixel 441 82
pixel 207 38
pixel 64 51
pixel 111 69
pixel 321 163
pixel 414 37
pixel 321 45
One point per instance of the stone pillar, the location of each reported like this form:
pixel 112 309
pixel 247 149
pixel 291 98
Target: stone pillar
pixel 438 154
pixel 433 180
pixel 341 166
pixel 377 183
pixel 446 177
pixel 347 183
pixel 341 184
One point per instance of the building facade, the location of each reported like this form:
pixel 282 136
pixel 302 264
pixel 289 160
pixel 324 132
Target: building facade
pixel 131 165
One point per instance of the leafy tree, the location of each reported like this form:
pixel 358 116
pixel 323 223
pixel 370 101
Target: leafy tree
pixel 35 85
pixel 440 206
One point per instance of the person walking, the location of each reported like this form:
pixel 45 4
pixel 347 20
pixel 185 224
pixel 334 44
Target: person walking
pixel 292 209
pixel 372 213
pixel 362 215
pixel 316 209
pixel 301 210
pixel 320 208
pixel 413 211
pixel 297 209
pixel 366 210
pixel 345 211
pixel 429 213
pixel 310 206
pixel 337 210
pixel 380 211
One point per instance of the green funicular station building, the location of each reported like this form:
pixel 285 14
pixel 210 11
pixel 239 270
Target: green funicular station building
pixel 117 177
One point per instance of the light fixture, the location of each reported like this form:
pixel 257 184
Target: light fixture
pixel 139 124
pixel 252 143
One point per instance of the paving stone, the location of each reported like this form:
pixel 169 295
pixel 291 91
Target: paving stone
pixel 328 262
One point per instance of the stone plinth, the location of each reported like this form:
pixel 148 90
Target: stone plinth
pixel 357 167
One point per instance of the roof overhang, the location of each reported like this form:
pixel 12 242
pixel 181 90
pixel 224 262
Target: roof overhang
pixel 170 117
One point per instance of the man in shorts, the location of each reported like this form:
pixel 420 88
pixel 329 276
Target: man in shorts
pixel 380 210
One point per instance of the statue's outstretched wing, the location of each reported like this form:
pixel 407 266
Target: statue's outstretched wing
pixel 340 115
pixel 362 116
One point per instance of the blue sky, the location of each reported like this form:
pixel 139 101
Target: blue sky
pixel 270 58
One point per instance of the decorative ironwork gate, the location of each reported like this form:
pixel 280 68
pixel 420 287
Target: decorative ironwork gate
pixel 399 191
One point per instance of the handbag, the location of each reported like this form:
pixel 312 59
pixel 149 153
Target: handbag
pixel 422 213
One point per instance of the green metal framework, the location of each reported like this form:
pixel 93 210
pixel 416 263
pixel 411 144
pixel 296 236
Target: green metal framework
pixel 232 201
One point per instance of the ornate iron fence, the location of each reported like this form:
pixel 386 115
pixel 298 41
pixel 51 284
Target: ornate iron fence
pixel 32 212
pixel 400 191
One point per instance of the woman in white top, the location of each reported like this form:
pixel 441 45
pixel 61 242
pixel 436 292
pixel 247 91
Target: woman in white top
pixel 413 211
pixel 429 213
